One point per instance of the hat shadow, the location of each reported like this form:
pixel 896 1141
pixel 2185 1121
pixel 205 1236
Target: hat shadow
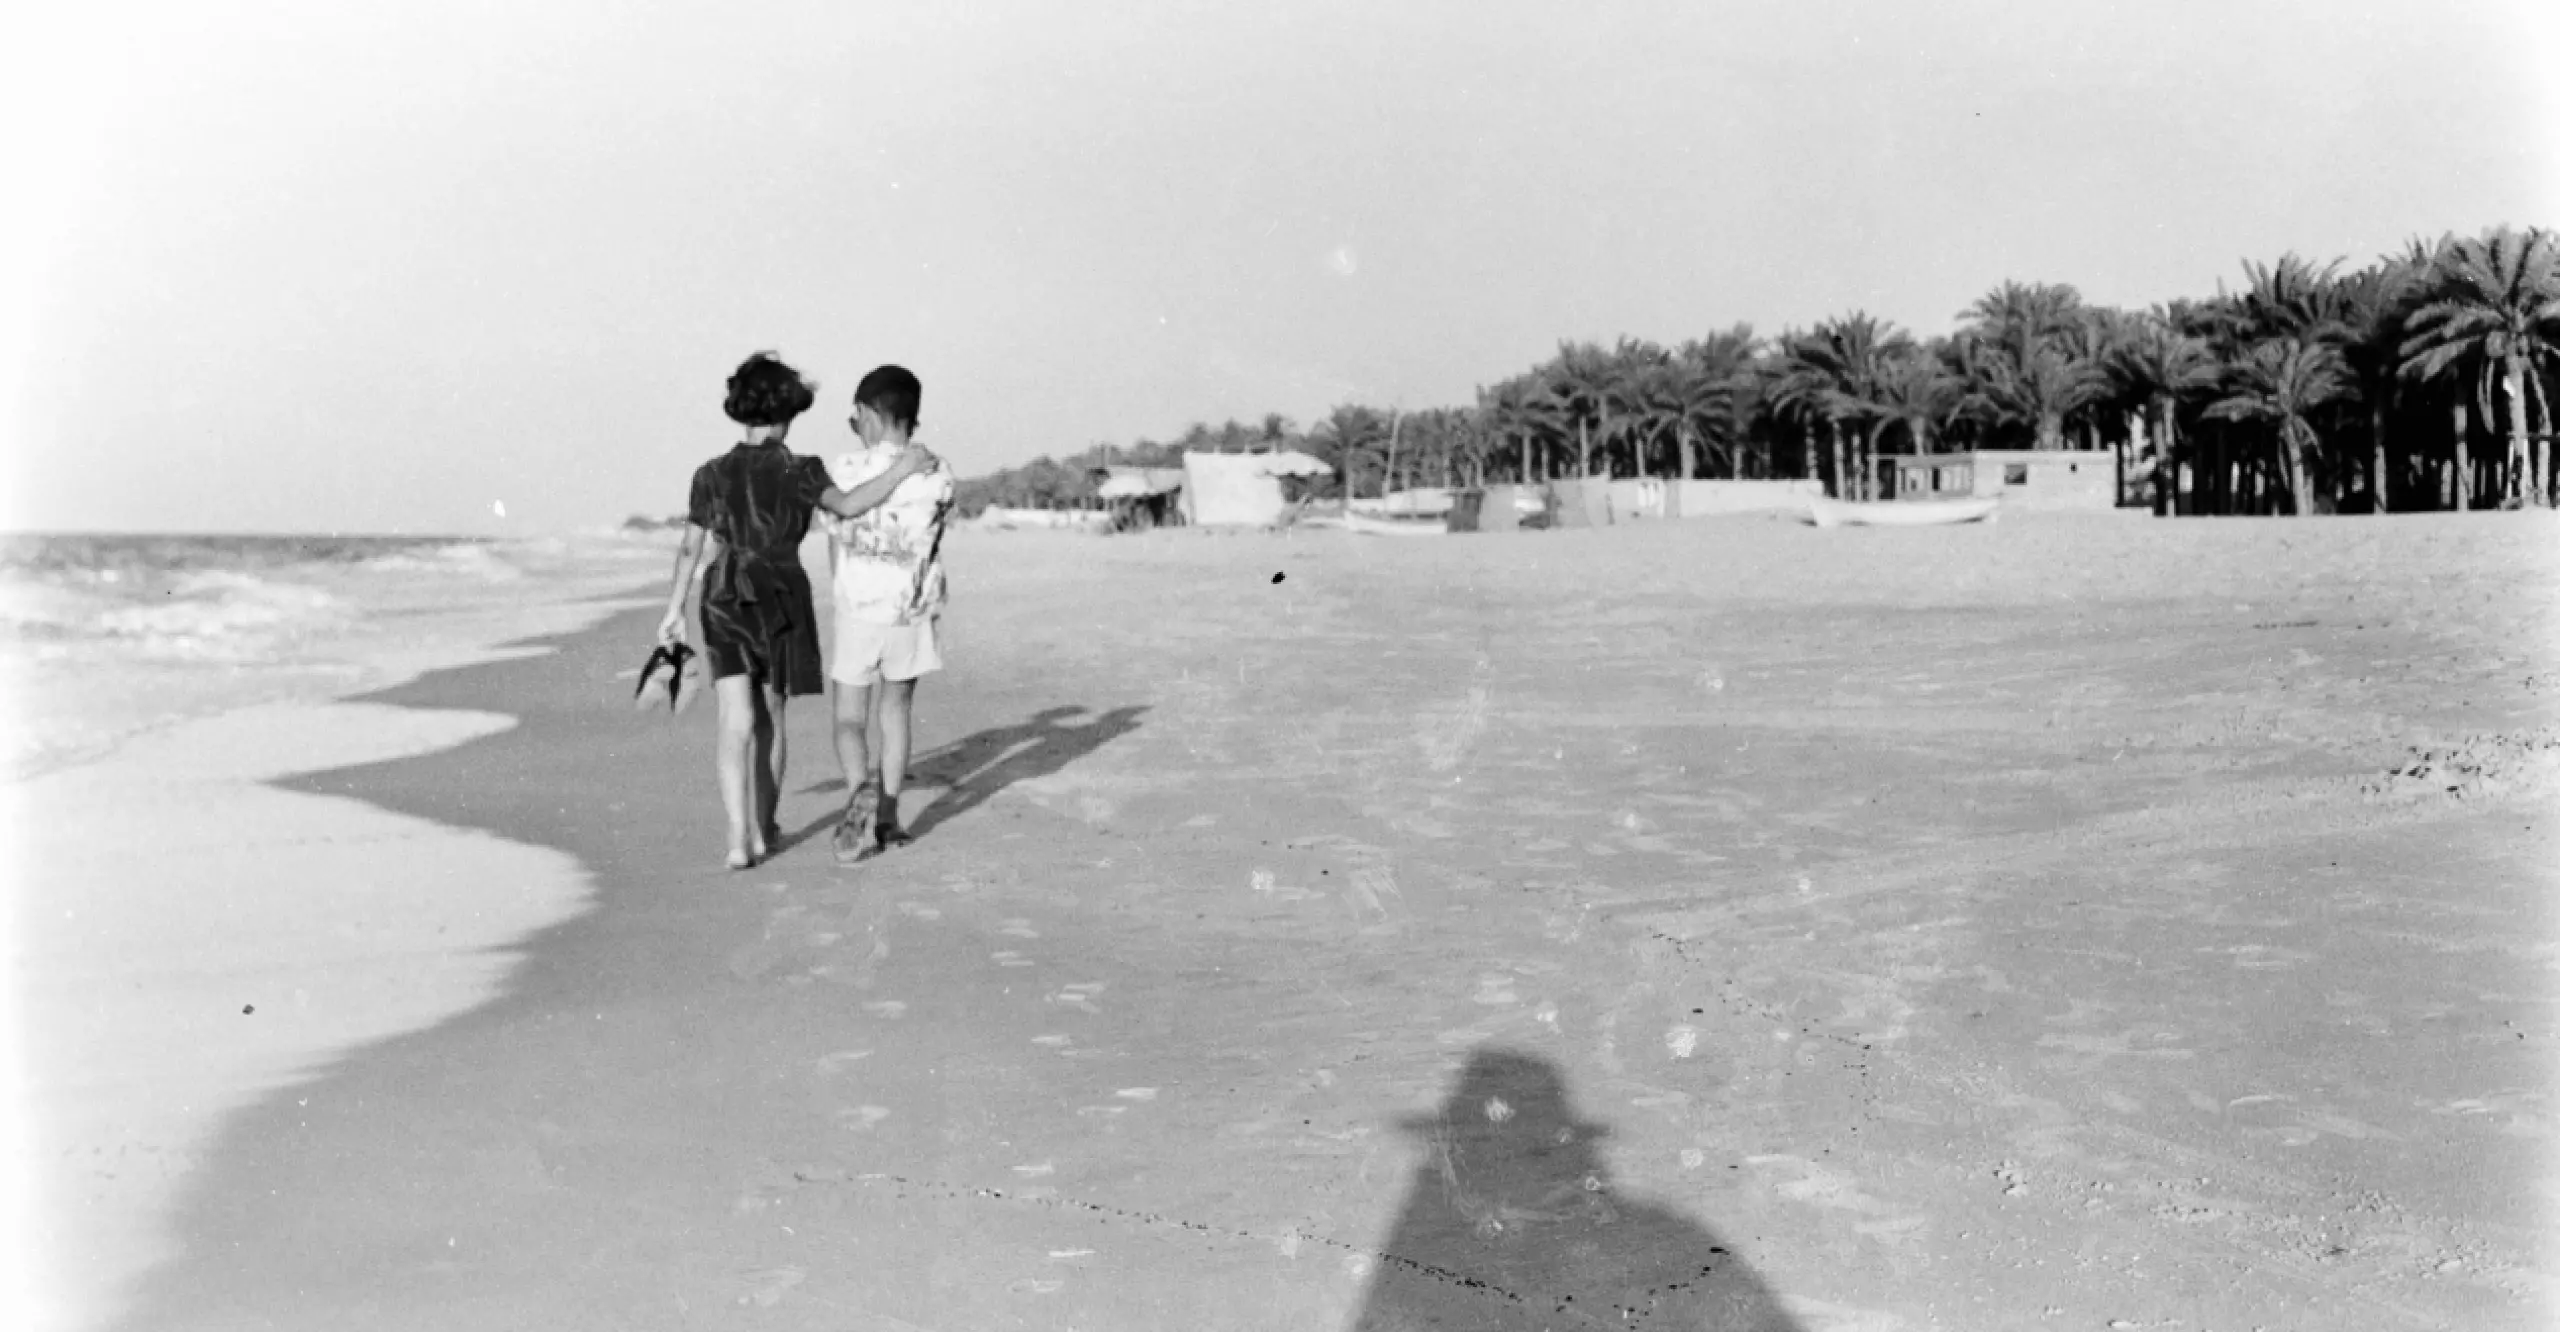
pixel 1511 1222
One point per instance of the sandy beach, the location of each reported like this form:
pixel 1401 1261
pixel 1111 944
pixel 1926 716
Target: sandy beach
pixel 2077 921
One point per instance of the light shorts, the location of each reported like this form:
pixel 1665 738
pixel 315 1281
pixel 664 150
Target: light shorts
pixel 867 653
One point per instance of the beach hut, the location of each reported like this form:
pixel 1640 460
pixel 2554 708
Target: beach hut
pixel 1242 489
pixel 1578 503
pixel 1140 497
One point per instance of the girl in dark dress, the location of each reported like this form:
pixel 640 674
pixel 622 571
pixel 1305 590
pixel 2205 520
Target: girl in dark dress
pixel 749 511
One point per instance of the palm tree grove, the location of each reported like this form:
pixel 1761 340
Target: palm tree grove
pixel 2420 381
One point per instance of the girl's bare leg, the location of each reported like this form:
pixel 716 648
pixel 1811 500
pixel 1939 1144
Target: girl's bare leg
pixel 732 755
pixel 773 745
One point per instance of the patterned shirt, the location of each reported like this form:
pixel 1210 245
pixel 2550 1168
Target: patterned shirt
pixel 888 562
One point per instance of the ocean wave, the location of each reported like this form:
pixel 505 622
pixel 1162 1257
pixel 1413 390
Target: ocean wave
pixel 475 560
pixel 210 615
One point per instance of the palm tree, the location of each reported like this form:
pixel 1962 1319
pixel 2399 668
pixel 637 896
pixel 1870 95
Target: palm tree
pixel 2375 304
pixel 1795 395
pixel 1579 378
pixel 1847 354
pixel 1344 438
pixel 2284 380
pixel 1915 391
pixel 2495 301
pixel 1715 380
pixel 2022 369
pixel 2161 366
pixel 2040 388
pixel 2021 315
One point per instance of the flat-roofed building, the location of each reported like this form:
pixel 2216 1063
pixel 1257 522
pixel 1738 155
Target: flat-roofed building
pixel 2020 478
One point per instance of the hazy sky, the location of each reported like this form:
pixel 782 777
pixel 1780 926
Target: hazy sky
pixel 332 266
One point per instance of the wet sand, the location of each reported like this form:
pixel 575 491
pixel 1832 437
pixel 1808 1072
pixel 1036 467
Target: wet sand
pixel 2075 922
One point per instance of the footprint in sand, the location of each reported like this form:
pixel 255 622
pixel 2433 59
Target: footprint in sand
pixel 1052 1041
pixel 1010 958
pixel 1681 1040
pixel 1035 1171
pixel 765 1288
pixel 1136 1093
pixel 920 911
pixel 1017 928
pixel 830 1065
pixel 1495 988
pixel 887 1008
pixel 862 1118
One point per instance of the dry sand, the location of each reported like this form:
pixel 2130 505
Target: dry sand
pixel 2074 922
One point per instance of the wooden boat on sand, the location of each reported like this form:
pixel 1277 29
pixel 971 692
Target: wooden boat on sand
pixel 1902 513
pixel 1372 526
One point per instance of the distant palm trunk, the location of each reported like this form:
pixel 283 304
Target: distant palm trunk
pixel 2297 466
pixel 2461 455
pixel 1395 432
pixel 2381 479
pixel 1582 424
pixel 1839 459
pixel 2524 453
pixel 1812 458
pixel 1688 455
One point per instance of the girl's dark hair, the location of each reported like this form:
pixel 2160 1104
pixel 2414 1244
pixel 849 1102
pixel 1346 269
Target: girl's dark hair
pixel 766 392
pixel 894 392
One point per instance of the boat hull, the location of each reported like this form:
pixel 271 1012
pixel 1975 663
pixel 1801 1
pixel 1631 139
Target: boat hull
pixel 1903 513
pixel 1401 527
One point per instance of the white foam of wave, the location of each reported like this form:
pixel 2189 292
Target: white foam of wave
pixel 486 562
pixel 219 615
pixel 88 660
pixel 162 982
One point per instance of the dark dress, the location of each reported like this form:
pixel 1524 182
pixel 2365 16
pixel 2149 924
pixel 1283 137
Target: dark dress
pixel 757 615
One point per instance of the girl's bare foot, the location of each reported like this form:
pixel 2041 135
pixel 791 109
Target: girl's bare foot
pixel 739 860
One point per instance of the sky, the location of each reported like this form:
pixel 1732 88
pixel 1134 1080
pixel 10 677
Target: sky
pixel 483 268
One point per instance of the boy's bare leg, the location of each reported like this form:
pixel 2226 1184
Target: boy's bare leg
pixel 897 744
pixel 858 832
pixel 732 753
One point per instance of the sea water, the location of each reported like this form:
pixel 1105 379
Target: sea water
pixel 184 937
pixel 106 636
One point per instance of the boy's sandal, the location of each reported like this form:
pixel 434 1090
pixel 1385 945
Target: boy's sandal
pixel 859 833
pixel 893 830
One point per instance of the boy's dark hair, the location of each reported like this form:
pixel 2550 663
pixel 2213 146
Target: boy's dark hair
pixel 894 392
pixel 766 392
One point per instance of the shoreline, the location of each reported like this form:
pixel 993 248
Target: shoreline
pixel 139 917
pixel 1209 909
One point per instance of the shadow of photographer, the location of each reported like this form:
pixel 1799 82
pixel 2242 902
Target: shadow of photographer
pixel 1511 1223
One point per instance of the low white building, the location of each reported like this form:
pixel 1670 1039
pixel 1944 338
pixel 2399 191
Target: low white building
pixel 2020 478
